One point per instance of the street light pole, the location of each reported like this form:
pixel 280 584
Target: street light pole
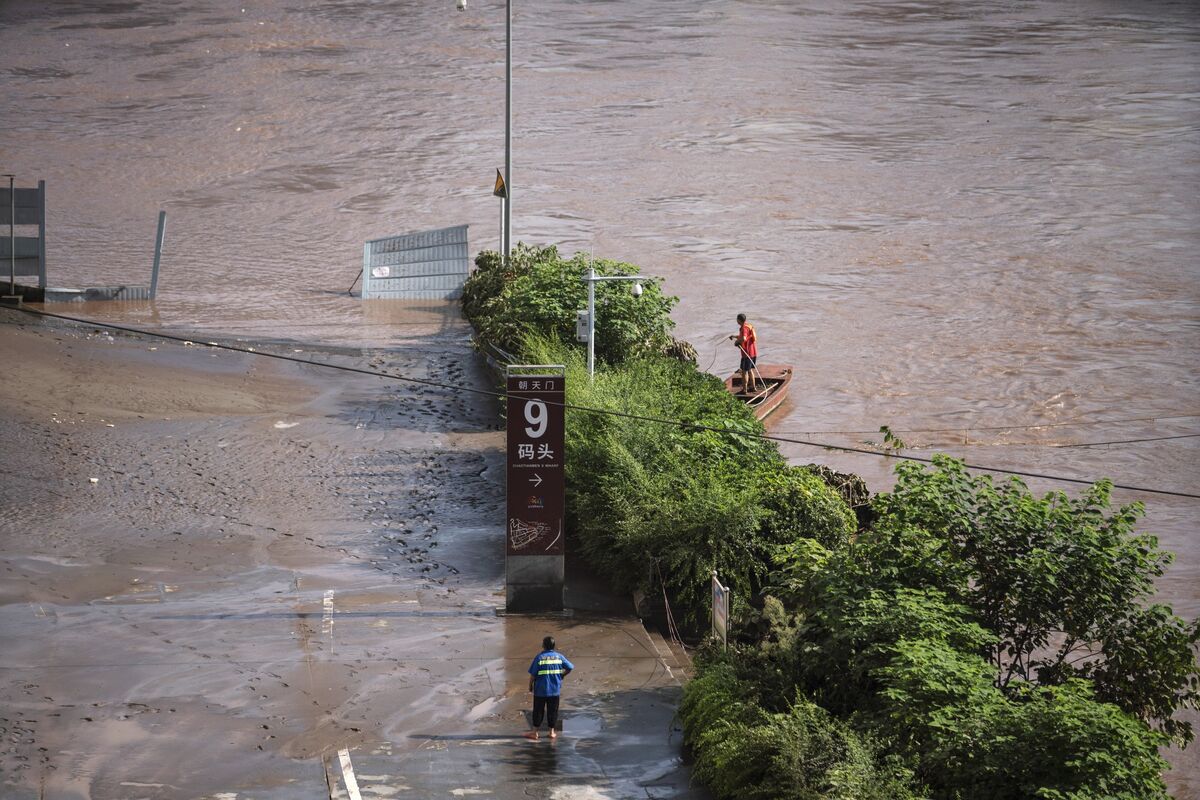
pixel 592 279
pixel 506 198
pixel 591 282
pixel 507 129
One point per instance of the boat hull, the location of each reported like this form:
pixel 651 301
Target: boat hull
pixel 778 379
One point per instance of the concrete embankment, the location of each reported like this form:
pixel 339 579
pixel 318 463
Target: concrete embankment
pixel 225 575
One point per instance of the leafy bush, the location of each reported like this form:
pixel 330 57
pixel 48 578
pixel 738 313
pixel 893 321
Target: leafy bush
pixel 1060 584
pixel 798 503
pixel 970 739
pixel 940 631
pixel 538 292
pixel 645 499
pixel 743 751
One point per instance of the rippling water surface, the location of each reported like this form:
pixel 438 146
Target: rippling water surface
pixel 963 218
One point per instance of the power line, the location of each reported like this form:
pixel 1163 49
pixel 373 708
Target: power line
pixel 1130 441
pixel 1053 445
pixel 587 409
pixel 842 448
pixel 1069 424
pixel 253 352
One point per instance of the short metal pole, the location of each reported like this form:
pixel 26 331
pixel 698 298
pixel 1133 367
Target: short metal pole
pixel 12 236
pixel 158 243
pixel 591 322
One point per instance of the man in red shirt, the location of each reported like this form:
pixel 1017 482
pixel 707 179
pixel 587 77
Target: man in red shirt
pixel 747 342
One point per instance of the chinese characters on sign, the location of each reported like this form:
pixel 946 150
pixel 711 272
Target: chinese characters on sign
pixel 536 484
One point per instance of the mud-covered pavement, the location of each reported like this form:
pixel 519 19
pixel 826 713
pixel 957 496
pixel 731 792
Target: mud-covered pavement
pixel 224 575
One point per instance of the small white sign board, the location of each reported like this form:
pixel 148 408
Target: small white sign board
pixel 720 610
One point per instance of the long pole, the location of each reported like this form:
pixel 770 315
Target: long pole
pixel 591 322
pixel 508 182
pixel 591 279
pixel 158 243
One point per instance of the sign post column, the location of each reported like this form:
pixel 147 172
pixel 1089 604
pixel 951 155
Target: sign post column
pixel 534 550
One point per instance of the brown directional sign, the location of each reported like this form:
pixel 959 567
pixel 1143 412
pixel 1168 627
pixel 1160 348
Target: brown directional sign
pixel 536 484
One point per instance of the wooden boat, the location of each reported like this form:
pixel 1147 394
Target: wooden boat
pixel 773 383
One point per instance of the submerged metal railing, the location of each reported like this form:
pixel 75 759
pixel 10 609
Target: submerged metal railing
pixel 429 265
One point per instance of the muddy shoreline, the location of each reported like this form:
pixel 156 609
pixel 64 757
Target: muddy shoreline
pixel 217 571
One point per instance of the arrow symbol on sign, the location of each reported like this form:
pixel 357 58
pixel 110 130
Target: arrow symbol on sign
pixel 536 480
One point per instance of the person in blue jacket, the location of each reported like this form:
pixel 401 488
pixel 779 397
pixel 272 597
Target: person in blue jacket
pixel 546 675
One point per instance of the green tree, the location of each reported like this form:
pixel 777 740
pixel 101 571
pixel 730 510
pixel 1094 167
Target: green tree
pixel 1061 584
pixel 941 631
pixel 539 292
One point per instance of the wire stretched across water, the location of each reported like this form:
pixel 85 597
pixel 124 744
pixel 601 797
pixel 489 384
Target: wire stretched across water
pixel 587 409
pixel 971 429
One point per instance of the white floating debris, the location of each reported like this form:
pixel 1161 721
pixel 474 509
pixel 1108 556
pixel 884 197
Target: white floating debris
pixel 281 424
pixel 189 344
pixel 110 425
pixel 93 480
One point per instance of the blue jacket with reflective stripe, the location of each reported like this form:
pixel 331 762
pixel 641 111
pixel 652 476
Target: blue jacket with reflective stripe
pixel 548 670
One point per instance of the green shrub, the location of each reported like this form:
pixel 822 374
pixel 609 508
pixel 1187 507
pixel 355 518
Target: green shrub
pixel 941 631
pixel 645 499
pixel 743 751
pixel 798 504
pixel 970 739
pixel 1061 584
pixel 539 293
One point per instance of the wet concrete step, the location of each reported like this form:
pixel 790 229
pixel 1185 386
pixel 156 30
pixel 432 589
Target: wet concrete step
pixel 673 656
pixel 681 657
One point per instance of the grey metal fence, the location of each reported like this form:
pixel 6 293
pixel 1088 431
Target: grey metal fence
pixel 429 265
pixel 29 208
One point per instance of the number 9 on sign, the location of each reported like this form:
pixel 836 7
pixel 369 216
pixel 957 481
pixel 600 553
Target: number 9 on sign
pixel 535 415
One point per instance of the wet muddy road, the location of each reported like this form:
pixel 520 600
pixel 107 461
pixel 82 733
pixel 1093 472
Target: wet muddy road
pixel 217 572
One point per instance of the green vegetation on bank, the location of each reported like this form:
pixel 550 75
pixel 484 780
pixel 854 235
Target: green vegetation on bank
pixel 650 505
pixel 972 641
pixel 540 292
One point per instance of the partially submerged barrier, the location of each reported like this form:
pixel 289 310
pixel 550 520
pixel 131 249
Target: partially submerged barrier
pixel 429 265
pixel 25 256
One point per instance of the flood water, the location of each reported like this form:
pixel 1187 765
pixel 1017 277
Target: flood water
pixel 976 222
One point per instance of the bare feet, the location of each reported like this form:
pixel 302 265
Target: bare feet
pixel 531 735
pixel 553 733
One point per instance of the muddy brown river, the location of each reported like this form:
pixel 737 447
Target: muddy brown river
pixel 976 222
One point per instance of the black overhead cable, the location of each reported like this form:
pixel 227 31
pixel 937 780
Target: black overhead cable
pixel 1129 441
pixel 586 409
pixel 965 429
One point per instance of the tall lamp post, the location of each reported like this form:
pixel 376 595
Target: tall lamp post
pixel 507 128
pixel 592 279
pixel 506 230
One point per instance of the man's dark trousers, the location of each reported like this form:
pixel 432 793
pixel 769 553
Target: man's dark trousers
pixel 550 706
